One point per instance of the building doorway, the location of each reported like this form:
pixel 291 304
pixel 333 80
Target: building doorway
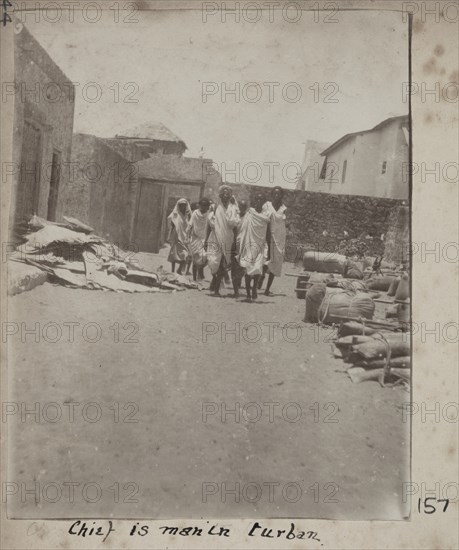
pixel 54 185
pixel 28 189
pixel 149 217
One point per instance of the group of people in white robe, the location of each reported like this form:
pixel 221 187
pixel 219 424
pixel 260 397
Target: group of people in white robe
pixel 230 237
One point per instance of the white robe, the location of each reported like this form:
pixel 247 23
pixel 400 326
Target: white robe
pixel 197 235
pixel 178 236
pixel 221 237
pixel 252 241
pixel 278 237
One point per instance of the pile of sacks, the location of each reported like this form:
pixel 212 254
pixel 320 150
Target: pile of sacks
pixel 397 286
pixel 371 349
pixel 374 354
pixel 71 255
pixel 397 292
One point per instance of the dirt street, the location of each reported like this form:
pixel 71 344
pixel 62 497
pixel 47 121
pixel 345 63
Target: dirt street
pixel 304 441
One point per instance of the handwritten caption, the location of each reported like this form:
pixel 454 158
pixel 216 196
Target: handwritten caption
pixel 85 529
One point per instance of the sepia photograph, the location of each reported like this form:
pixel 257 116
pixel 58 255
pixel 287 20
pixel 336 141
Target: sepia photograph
pixel 209 266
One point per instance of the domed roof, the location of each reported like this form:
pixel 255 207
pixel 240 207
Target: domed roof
pixel 151 130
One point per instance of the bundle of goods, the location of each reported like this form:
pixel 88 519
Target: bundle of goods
pixel 404 312
pixel 368 262
pixel 393 286
pixel 354 328
pixel 402 292
pixel 368 327
pixel 382 346
pixel 346 284
pixel 326 278
pixel 392 312
pixel 306 280
pixel 353 270
pixel 378 356
pixel 337 306
pixel 344 343
pixel 71 255
pixel 381 282
pixel 314 297
pixel 324 262
pixel 399 311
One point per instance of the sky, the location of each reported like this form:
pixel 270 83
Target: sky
pixel 326 79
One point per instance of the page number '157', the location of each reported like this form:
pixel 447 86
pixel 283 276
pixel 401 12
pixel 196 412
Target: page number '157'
pixel 431 508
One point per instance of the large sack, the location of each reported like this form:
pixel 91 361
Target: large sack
pixel 353 327
pixel 392 311
pixel 393 286
pixel 314 297
pixel 350 285
pixel 340 305
pixel 320 278
pixel 398 344
pixel 380 283
pixel 404 313
pixel 368 262
pixel 403 289
pixel 353 271
pixel 352 340
pixel 325 262
pixel 403 362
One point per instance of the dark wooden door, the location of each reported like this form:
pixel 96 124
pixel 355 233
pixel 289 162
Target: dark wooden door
pixel 54 185
pixel 29 175
pixel 148 221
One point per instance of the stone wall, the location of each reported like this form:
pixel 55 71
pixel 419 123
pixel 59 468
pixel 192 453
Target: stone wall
pixel 309 214
pixel 398 236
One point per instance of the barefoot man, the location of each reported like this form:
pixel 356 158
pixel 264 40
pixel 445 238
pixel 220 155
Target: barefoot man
pixel 276 212
pixel 253 238
pixel 220 236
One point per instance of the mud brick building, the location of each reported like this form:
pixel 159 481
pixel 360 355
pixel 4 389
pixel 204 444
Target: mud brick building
pixel 44 100
pixel 163 180
pixel 102 190
pixel 126 186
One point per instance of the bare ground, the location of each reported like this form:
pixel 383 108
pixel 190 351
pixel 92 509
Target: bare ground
pixel 348 453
